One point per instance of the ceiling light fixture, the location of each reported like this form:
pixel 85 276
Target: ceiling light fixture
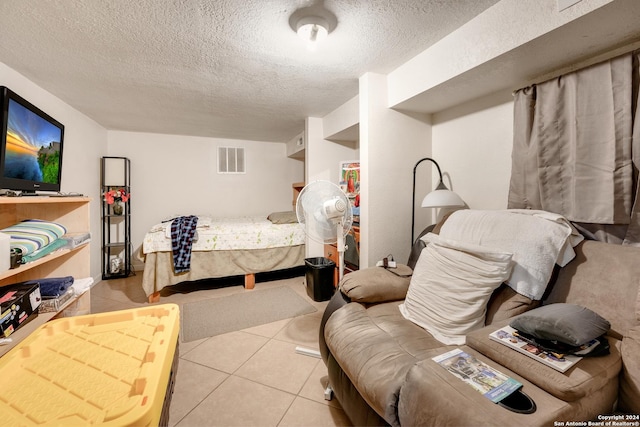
pixel 313 24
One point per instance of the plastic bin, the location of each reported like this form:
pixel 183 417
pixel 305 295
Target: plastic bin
pixel 319 276
pixel 113 369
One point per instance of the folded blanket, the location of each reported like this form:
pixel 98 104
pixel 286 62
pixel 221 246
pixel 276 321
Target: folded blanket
pixel 31 235
pixel 45 250
pixel 537 239
pixel 53 286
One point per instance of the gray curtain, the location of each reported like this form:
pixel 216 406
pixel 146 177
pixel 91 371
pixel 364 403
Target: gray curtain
pixel 576 149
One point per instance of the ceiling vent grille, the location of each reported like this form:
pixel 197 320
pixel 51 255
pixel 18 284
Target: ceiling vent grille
pixel 231 160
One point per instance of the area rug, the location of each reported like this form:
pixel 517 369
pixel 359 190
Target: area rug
pixel 215 316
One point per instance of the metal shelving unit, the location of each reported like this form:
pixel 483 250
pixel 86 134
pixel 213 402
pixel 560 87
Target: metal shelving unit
pixel 116 227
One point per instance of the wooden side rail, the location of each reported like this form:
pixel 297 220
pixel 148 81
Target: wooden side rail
pixel 249 281
pixel 154 297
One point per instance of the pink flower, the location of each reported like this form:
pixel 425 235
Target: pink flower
pixel 119 195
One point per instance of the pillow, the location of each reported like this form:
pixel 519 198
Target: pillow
pixel 451 285
pixel 283 217
pixel 33 234
pixel 566 323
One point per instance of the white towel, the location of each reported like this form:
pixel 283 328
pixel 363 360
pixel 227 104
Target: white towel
pixel 537 239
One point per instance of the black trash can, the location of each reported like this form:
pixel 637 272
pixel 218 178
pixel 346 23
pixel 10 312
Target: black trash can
pixel 319 276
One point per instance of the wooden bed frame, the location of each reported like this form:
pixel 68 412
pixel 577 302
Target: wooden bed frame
pixel 158 269
pixel 249 283
pixel 225 263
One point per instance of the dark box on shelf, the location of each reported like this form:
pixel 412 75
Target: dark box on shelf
pixel 18 305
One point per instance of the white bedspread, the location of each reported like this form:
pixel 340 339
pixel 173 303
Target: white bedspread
pixel 537 239
pixel 229 234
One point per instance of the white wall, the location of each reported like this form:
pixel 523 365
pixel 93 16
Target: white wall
pixel 346 116
pixel 390 144
pixel 85 142
pixel 472 143
pixel 509 42
pixel 172 174
pixel 322 163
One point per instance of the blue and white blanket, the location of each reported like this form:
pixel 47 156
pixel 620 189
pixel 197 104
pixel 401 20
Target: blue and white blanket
pixel 183 230
pixel 32 235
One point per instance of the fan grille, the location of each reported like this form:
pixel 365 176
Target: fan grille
pixel 310 210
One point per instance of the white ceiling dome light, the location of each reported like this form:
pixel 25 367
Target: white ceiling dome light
pixel 313 24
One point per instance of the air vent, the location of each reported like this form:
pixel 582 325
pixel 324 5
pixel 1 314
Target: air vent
pixel 231 160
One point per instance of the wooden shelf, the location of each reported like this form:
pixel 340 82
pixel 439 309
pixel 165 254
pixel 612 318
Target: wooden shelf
pixel 29 200
pixel 297 188
pixel 68 211
pixel 73 214
pixel 33 264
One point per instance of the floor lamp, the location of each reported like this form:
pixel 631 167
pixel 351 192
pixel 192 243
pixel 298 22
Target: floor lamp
pixel 441 197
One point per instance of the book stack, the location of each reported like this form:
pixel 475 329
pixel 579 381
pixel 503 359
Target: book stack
pixel 559 361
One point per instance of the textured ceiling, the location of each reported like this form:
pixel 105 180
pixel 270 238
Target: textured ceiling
pixel 216 68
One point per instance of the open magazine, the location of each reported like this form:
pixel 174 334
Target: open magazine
pixel 492 383
pixel 560 362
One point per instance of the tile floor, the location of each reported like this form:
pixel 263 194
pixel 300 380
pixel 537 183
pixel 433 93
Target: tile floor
pixel 251 377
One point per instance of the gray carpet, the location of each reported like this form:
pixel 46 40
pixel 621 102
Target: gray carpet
pixel 215 316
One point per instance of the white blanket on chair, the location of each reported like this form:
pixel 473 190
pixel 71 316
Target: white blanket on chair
pixel 537 239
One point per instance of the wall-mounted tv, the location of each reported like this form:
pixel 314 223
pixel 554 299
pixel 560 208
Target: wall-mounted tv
pixel 30 146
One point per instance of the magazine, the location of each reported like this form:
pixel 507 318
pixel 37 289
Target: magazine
pixel 509 337
pixel 492 383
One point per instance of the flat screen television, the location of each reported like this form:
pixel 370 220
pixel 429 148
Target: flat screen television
pixel 30 146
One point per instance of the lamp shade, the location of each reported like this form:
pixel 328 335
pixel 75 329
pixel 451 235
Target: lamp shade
pixel 442 198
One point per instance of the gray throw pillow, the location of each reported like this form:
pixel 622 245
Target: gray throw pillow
pixel 288 217
pixel 566 323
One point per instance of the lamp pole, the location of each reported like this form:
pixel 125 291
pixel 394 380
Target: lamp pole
pixel 413 199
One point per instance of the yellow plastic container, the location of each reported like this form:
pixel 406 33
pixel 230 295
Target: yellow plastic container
pixel 110 369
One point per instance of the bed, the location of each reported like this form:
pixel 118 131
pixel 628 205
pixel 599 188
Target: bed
pixel 224 247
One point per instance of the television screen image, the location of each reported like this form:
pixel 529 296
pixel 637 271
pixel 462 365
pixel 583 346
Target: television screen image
pixel 31 147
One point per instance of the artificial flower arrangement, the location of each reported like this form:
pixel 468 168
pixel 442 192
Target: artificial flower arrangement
pixel 118 195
